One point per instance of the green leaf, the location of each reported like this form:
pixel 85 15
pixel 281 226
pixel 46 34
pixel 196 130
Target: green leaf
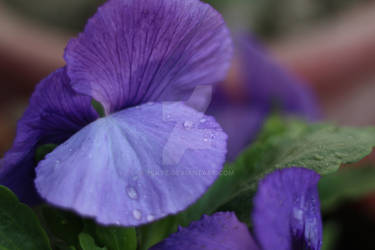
pixel 88 243
pixel 331 233
pixel 113 238
pixel 320 147
pixel 19 226
pixel 281 144
pixel 117 238
pixel 98 107
pixel 348 183
pixel 242 205
pixel 155 232
pixel 63 226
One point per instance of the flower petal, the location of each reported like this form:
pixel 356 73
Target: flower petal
pixel 287 210
pixel 241 123
pixel 135 51
pixel 268 83
pixel 135 166
pixel 54 114
pixel 221 231
pixel 265 84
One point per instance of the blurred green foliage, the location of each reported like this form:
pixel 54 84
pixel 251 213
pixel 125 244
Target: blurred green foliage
pixel 267 18
pixel 272 18
pixel 350 183
pixel 331 233
pixel 66 14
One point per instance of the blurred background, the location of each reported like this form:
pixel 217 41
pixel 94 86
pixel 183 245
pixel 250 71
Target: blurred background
pixel 328 43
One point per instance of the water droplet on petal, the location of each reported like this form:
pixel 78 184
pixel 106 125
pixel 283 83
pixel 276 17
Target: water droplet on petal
pixel 207 137
pixel 137 214
pixel 150 217
pixel 188 124
pixel 203 120
pixel 57 162
pixel 298 214
pixel 132 193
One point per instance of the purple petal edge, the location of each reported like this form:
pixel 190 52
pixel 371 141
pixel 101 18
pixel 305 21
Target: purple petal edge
pixel 287 210
pixel 221 231
pixel 55 113
pixel 137 51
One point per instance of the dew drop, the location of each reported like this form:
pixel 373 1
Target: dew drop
pixel 137 214
pixel 298 214
pixel 188 124
pixel 203 120
pixel 57 163
pixel 206 137
pixel 132 193
pixel 150 217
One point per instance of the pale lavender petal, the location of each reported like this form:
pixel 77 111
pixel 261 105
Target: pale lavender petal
pixel 135 51
pixel 54 114
pixel 221 231
pixel 287 211
pixel 135 166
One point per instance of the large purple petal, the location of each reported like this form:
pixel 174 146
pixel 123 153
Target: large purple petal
pixel 287 211
pixel 269 84
pixel 135 166
pixel 134 51
pixel 221 231
pixel 54 114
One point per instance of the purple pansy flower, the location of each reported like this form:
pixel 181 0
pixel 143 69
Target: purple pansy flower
pixel 268 84
pixel 264 85
pixel 151 154
pixel 286 216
